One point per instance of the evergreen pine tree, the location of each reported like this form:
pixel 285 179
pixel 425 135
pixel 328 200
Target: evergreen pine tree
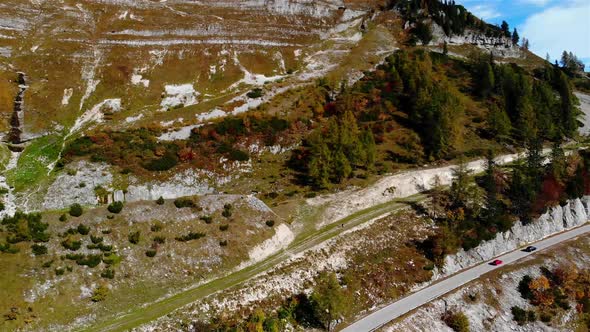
pixel 490 187
pixel 460 184
pixel 515 37
pixel 558 163
pixel 320 164
pixel 505 29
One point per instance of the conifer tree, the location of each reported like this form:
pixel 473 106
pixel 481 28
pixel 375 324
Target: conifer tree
pixel 320 164
pixel 505 29
pixel 515 37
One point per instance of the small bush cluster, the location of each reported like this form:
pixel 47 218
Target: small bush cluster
pixel 522 316
pixel 207 219
pixel 99 294
pixel 39 249
pixel 270 223
pixel 255 93
pixel 108 274
pixel 71 244
pixel 227 210
pixel 100 246
pixel 159 239
pixel 7 248
pixel 87 260
pixel 96 239
pixel 115 207
pixel 76 210
pixel 181 203
pixel 151 252
pixel 112 259
pixel 22 227
pixel 223 228
pixel 83 229
pixel 160 201
pixel 190 236
pixel 458 321
pixel 134 237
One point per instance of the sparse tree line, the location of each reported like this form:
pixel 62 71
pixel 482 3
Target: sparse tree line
pixel 474 209
pixel 454 19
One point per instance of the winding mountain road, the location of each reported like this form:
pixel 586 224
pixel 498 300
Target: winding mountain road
pixel 415 300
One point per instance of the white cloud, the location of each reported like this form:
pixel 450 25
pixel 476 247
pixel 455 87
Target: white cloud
pixel 485 12
pixel 560 28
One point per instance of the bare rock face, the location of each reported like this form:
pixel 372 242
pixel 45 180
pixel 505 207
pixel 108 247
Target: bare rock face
pixel 132 49
pixel 585 107
pixel 557 219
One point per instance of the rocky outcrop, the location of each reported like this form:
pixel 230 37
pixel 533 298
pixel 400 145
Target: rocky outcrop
pixel 77 186
pixel 16 120
pixel 585 108
pixel 557 219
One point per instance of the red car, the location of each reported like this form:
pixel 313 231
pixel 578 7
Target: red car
pixel 496 262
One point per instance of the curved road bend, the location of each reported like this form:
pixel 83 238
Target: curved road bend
pixel 388 313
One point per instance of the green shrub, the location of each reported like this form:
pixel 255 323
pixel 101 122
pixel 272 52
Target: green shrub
pixel 255 93
pixel 207 219
pixel 25 227
pixel 115 207
pixel 7 248
pixel 159 239
pixel 457 321
pixel 99 294
pixel 151 252
pixel 522 316
pixel 87 260
pixel 270 223
pixel 164 163
pixel 184 203
pixel 60 271
pixel 83 230
pixel 108 274
pixel 101 246
pixel 71 244
pixel 134 237
pixel 223 228
pixel 112 259
pixel 227 210
pixel 63 218
pixel 190 236
pixel 76 210
pixel 39 249
pixel 523 287
pixel 106 231
pixel 223 243
pixel 160 201
pixel 96 239
pixel 238 155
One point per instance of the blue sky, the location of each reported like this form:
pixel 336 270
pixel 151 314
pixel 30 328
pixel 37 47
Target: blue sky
pixel 551 26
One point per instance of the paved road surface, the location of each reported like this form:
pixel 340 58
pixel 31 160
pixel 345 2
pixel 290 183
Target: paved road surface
pixel 386 314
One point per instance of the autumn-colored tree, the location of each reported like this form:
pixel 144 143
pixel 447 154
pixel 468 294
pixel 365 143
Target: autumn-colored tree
pixel 540 288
